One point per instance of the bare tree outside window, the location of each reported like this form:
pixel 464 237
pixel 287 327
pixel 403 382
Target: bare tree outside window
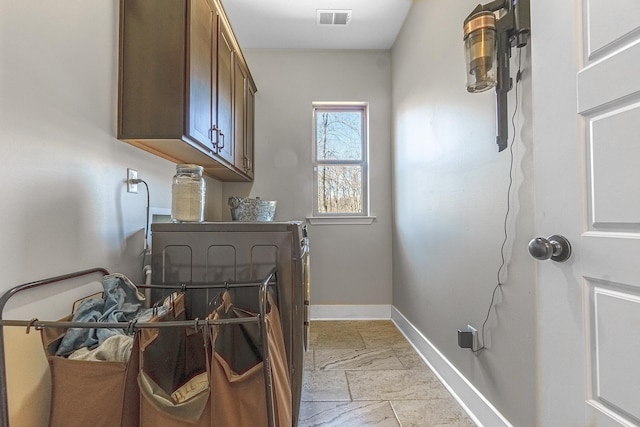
pixel 339 189
pixel 340 164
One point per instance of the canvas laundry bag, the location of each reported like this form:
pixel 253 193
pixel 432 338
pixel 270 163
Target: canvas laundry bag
pixel 94 370
pixel 174 376
pixel 238 385
pixel 91 392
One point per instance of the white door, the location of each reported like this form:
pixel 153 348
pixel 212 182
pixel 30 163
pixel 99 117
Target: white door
pixel 586 137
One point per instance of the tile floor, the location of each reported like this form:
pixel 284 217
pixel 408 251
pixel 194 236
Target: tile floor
pixel 365 373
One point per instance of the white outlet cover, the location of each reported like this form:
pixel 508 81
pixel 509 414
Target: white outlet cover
pixel 131 187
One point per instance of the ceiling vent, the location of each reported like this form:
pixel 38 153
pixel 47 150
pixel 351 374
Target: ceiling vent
pixel 333 17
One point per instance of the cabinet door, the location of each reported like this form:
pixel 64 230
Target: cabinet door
pixel 250 93
pixel 239 106
pixel 243 116
pixel 201 74
pixel 225 94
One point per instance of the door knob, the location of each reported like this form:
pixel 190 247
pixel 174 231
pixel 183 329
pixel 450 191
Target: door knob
pixel 555 247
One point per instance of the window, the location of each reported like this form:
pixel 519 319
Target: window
pixel 340 166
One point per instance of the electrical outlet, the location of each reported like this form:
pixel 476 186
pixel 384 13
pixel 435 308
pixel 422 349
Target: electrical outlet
pixel 474 334
pixel 131 187
pixel 468 338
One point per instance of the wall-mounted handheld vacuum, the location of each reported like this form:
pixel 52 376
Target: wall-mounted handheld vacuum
pixel 490 31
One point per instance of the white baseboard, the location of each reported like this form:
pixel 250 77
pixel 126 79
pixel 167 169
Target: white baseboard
pixel 481 411
pixel 350 312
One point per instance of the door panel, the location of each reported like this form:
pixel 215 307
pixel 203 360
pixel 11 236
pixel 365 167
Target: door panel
pixel 610 21
pixel 614 181
pixel 615 375
pixel 608 99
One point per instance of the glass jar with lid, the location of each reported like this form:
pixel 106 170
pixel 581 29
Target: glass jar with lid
pixel 188 194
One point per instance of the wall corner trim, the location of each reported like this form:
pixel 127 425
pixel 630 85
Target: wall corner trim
pixel 350 312
pixel 481 411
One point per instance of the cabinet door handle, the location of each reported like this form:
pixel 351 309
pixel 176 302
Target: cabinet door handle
pixel 214 141
pixel 221 146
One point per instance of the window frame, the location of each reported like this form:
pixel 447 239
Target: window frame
pixel 362 217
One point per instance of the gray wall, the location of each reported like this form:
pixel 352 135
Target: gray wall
pixel 450 191
pixel 62 181
pixel 351 264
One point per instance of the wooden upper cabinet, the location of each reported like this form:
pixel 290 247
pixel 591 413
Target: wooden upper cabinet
pixel 244 118
pixel 225 94
pixel 176 83
pixel 201 73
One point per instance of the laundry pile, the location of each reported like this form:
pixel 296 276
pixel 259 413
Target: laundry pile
pixel 121 302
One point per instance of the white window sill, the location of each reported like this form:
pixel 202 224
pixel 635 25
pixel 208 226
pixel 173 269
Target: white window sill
pixel 341 220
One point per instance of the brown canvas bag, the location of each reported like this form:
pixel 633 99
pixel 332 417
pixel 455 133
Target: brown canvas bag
pixel 90 393
pixel 238 386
